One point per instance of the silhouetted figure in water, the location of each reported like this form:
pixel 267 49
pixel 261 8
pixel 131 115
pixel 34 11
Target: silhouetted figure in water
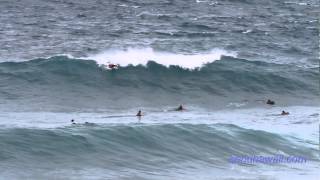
pixel 112 66
pixel 270 102
pixel 284 113
pixel 180 108
pixel 72 121
pixel 89 124
pixel 139 114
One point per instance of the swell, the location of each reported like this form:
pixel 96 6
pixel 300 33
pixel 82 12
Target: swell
pixel 136 146
pixel 62 79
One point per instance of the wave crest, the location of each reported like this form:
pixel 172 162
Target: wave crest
pixel 72 83
pixel 136 56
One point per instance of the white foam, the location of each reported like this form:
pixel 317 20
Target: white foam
pixel 137 56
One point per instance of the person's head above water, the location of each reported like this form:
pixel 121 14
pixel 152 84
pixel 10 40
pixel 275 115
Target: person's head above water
pixel 270 102
pixel 180 108
pixel 139 113
pixel 112 66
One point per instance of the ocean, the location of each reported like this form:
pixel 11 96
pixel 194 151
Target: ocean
pixel 221 60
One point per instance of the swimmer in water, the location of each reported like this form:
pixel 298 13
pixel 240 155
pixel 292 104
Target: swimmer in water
pixel 139 114
pixel 180 108
pixel 112 66
pixel 284 113
pixel 270 102
pixel 89 124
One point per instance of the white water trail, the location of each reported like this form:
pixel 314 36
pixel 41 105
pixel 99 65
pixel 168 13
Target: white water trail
pixel 135 56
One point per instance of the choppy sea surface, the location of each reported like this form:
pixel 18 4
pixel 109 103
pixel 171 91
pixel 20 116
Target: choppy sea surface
pixel 221 59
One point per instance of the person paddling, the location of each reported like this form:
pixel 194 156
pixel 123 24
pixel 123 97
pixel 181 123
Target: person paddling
pixel 139 114
pixel 180 108
pixel 270 102
pixel 284 113
pixel 112 66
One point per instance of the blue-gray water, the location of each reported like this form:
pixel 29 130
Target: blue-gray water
pixel 221 59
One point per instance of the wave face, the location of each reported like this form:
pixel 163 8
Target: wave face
pixel 65 82
pixel 141 149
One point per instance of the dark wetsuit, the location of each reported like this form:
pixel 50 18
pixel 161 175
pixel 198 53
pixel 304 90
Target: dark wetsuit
pixel 112 66
pixel 270 102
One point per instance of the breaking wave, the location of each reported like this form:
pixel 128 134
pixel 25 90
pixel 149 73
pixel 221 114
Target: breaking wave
pixel 61 80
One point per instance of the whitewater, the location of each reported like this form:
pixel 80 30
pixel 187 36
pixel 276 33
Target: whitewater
pixel 135 56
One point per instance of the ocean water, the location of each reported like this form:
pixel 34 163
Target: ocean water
pixel 221 59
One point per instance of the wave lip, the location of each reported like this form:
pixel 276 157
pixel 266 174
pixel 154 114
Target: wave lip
pixel 135 56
